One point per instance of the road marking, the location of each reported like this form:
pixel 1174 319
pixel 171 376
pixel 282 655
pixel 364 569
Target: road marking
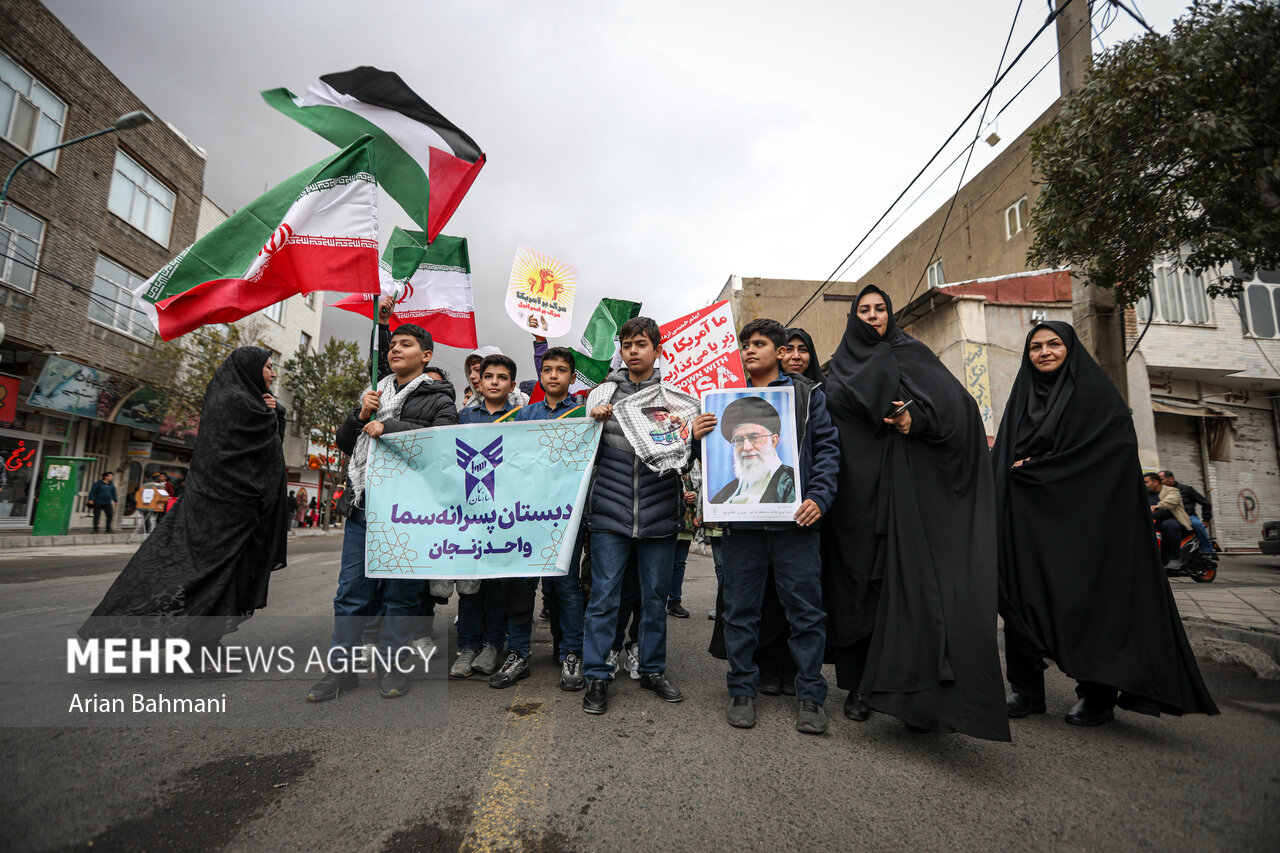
pixel 31 610
pixel 513 805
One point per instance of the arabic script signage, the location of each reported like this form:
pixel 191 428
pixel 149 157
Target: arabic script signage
pixel 700 351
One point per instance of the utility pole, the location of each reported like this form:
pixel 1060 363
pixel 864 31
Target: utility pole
pixel 1099 323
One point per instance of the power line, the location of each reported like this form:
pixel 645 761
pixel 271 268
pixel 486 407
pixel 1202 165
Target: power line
pixel 965 168
pixel 1132 13
pixel 1053 16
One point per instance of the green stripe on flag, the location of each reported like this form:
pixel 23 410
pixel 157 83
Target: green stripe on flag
pixel 398 173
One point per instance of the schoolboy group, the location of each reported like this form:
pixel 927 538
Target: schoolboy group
pixel 632 519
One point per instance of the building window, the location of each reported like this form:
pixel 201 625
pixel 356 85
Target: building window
pixel 304 344
pixel 140 199
pixel 935 274
pixel 20 236
pixel 31 116
pixel 311 300
pixel 1260 304
pixel 275 311
pixel 1016 217
pixel 1177 295
pixel 111 303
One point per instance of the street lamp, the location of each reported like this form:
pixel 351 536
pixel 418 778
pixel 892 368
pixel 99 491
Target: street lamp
pixel 128 121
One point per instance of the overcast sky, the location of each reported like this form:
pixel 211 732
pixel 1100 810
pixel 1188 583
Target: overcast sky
pixel 658 146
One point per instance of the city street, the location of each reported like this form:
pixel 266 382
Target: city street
pixel 525 769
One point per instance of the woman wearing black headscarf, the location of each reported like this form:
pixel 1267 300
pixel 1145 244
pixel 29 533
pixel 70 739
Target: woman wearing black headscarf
pixel 1080 577
pixel 801 357
pixel 909 570
pixel 205 567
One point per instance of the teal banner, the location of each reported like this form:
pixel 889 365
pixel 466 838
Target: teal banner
pixel 477 501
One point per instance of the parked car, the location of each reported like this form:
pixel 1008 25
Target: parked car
pixel 1270 541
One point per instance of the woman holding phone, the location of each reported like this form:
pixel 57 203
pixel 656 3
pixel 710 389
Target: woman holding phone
pixel 909 570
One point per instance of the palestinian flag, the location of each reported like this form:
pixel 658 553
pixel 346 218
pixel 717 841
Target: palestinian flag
pixel 316 231
pixel 431 285
pixel 599 353
pixel 424 161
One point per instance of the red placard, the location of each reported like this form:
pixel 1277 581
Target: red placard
pixel 700 351
pixel 8 398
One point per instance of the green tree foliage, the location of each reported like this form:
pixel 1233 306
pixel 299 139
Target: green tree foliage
pixel 1172 141
pixel 326 385
pixel 181 369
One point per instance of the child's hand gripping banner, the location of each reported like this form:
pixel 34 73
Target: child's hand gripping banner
pixel 478 501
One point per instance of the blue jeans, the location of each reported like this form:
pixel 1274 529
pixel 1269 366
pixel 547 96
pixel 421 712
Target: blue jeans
pixel 1202 536
pixel 567 598
pixel 358 598
pixel 482 618
pixel 518 595
pixel 677 571
pixel 628 607
pixel 654 560
pixel 797 569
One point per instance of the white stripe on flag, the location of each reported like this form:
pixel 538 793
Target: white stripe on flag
pixel 417 139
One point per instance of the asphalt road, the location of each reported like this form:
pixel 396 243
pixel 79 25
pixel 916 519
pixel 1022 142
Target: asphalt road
pixel 525 769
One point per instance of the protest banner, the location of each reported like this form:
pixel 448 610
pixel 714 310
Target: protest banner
pixel 700 351
pixel 479 500
pixel 749 460
pixel 541 289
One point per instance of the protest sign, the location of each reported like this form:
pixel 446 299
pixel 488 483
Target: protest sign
pixel 478 501
pixel 749 460
pixel 700 351
pixel 541 289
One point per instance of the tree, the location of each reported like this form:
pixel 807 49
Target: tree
pixel 1172 141
pixel 326 386
pixel 181 369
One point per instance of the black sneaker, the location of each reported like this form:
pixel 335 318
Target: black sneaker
pixel 513 669
pixel 332 685
pixel 571 679
pixel 597 699
pixel 658 684
pixel 676 609
pixel 811 719
pixel 742 712
pixel 392 684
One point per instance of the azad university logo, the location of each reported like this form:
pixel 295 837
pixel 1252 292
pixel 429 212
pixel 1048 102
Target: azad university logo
pixel 479 466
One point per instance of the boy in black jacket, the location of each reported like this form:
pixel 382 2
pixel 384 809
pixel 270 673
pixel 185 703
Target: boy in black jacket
pixel 404 400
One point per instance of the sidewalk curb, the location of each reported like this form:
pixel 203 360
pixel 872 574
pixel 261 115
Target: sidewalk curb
pixel 1210 639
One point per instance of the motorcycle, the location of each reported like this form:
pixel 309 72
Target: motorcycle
pixel 1192 562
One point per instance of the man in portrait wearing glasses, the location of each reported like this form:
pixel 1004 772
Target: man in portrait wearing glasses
pixel 752 425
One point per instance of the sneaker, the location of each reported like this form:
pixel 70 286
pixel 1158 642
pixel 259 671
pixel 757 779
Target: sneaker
pixel 514 668
pixel 462 664
pixel 332 685
pixel 631 660
pixel 487 661
pixel 571 679
pixel 676 609
pixel 426 649
pixel 544 614
pixel 661 686
pixel 362 655
pixel 811 718
pixel 612 661
pixel 742 712
pixel 711 614
pixel 392 684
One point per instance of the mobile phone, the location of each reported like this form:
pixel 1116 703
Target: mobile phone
pixel 900 409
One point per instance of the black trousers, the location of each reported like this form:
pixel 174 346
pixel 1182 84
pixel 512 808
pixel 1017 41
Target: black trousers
pixel 1026 669
pixel 98 509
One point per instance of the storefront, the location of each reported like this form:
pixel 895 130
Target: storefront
pixel 24 442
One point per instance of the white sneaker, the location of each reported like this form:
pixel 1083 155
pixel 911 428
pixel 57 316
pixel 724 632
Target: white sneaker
pixel 633 661
pixel 462 664
pixel 426 649
pixel 362 655
pixel 612 661
pixel 486 661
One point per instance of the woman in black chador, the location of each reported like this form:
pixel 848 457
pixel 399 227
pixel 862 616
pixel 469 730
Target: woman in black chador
pixel 909 570
pixel 1080 576
pixel 206 566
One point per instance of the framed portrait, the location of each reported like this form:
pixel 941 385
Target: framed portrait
pixel 750 460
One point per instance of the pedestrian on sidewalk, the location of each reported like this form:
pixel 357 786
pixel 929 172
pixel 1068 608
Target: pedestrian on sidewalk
pixel 207 566
pixel 910 568
pixel 1081 581
pixel 103 499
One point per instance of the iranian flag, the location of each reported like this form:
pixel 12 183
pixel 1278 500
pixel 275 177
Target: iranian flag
pixel 599 354
pixel 431 286
pixel 316 231
pixel 425 161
